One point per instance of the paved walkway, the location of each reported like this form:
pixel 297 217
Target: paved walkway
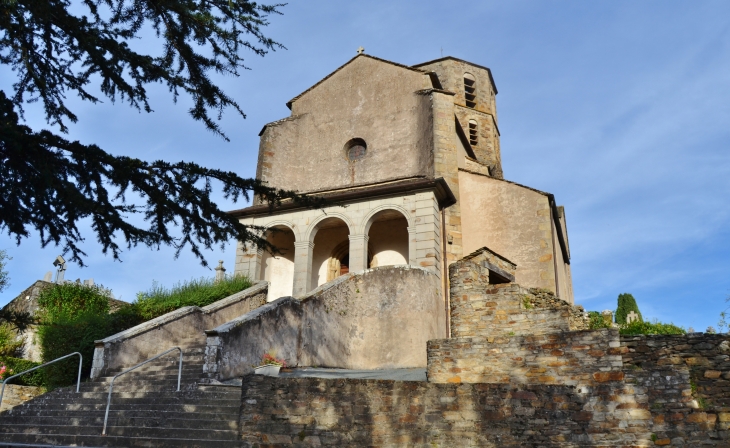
pixel 416 374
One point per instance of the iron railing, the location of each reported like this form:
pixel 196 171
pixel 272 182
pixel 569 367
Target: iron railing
pixel 111 385
pixel 78 378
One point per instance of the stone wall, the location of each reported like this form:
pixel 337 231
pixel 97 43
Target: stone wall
pixel 178 327
pixel 353 322
pixel 705 356
pixel 481 308
pixel 367 98
pixel 15 395
pixel 576 358
pixel 685 381
pixel 517 222
pixel 319 412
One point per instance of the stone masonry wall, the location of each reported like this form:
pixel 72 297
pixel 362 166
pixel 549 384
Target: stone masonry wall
pixel 576 358
pixel 279 412
pixel 15 395
pixel 353 322
pixel 500 310
pixel 706 356
pixel 686 381
pixel 479 308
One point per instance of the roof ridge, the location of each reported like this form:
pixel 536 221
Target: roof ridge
pixel 291 101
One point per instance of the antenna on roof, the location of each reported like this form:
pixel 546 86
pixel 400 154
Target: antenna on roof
pixel 360 50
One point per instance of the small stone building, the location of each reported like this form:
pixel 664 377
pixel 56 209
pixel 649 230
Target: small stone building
pixel 409 159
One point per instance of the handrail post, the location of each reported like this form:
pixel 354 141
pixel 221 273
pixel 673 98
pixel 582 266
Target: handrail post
pixel 78 378
pixel 111 384
pixel 179 372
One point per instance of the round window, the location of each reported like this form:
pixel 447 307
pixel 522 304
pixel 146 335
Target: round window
pixel 355 149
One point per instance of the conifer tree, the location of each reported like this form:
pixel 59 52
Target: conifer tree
pixel 626 304
pixel 59 47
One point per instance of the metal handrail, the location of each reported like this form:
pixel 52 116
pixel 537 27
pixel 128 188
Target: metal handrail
pixel 78 378
pixel 111 385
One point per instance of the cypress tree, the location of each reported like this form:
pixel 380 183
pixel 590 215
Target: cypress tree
pixel 626 304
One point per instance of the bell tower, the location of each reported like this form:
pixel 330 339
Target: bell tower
pixel 475 106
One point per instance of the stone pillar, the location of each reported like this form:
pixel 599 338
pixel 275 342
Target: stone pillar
pixel 248 262
pixel 302 267
pixel 412 239
pixel 427 253
pixel 358 252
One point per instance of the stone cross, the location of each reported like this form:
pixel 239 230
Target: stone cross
pixel 631 317
pixel 360 50
pixel 220 272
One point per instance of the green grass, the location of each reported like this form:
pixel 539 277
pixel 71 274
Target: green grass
pixel 159 300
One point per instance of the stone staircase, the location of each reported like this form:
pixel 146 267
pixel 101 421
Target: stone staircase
pixel 146 411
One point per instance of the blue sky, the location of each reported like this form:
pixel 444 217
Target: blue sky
pixel 619 108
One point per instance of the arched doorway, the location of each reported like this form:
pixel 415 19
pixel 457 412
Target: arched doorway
pixel 388 239
pixel 331 253
pixel 278 268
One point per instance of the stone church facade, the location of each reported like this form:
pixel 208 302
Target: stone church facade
pixel 409 159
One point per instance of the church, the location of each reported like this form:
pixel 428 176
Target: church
pixel 409 160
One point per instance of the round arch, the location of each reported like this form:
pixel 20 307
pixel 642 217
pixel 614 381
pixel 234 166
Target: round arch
pixel 367 221
pixel 313 228
pixel 283 223
pixel 277 267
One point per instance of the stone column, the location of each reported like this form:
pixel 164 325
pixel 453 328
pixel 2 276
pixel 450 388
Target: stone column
pixel 358 252
pixel 248 262
pixel 302 267
pixel 412 239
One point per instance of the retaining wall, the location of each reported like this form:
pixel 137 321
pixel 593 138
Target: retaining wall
pixel 15 395
pixel 380 318
pixel 318 412
pixel 178 327
pixel 570 358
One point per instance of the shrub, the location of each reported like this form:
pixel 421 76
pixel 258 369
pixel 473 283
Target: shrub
pixel 10 344
pixel 16 365
pixel 67 300
pixel 77 334
pixel 71 316
pixel 655 327
pixel 159 300
pixel 596 321
pixel 626 304
pixel 68 335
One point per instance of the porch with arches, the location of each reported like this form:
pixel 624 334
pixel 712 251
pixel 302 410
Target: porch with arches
pixel 317 246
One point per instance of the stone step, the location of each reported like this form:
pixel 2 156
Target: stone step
pixel 61 440
pixel 187 364
pixel 121 414
pixel 128 431
pixel 116 406
pixel 154 421
pixel 146 370
pixel 152 381
pixel 172 396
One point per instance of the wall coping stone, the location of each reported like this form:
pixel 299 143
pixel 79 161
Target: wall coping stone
pixel 253 315
pixel 346 277
pixel 179 313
